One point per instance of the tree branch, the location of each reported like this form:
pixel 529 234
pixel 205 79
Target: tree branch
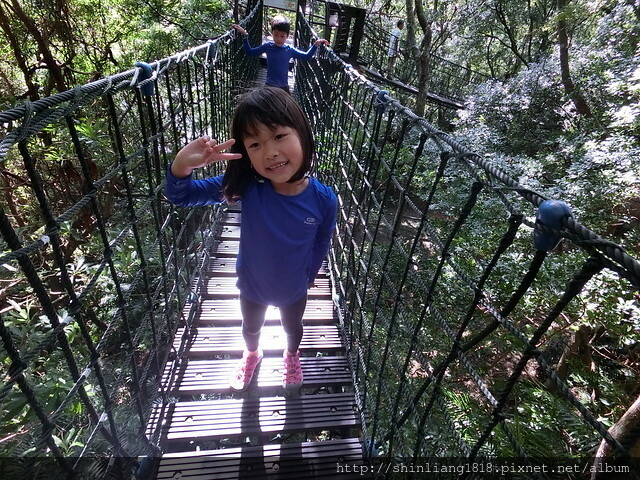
pixel 563 42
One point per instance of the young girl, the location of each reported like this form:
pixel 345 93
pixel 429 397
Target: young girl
pixel 288 217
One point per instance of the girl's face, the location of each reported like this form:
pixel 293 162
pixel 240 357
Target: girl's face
pixel 276 155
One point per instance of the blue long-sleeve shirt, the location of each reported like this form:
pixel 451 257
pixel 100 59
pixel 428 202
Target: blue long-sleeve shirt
pixel 283 238
pixel 277 60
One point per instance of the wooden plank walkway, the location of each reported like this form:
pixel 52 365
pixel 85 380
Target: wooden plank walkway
pixel 306 460
pixel 208 431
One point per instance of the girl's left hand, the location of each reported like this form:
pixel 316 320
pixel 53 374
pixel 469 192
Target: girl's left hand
pixel 215 152
pixel 321 41
pixel 199 153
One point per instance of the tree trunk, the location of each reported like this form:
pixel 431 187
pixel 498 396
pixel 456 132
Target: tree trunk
pixel 626 432
pixel 563 41
pixel 53 66
pixel 501 16
pixel 421 55
pixel 21 61
pixel 578 349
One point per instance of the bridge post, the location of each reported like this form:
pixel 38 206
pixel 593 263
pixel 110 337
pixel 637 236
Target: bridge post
pixel 349 28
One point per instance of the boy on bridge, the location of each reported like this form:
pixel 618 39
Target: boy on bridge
pixel 278 52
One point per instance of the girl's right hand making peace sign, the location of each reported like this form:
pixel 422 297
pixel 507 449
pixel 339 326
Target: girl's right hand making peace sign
pixel 199 153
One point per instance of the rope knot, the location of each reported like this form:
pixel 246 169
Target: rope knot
pixel 380 103
pixel 25 130
pixel 146 77
pixel 550 218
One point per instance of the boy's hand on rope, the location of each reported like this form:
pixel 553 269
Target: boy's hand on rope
pixel 239 29
pixel 199 153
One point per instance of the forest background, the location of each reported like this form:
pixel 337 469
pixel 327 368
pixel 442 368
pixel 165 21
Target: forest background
pixel 560 112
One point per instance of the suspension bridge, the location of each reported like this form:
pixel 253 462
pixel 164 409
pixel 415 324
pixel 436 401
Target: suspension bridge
pixel 429 338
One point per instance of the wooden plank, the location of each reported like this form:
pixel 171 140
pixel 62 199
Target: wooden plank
pixel 231 218
pixel 218 419
pixel 226 267
pixel 222 267
pixel 227 311
pixel 324 270
pixel 220 287
pixel 331 459
pixel 225 287
pixel 229 231
pixel 228 340
pixel 226 249
pixel 212 376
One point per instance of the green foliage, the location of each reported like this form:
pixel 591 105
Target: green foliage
pixel 532 129
pixel 51 379
pixel 88 40
pixel 522 115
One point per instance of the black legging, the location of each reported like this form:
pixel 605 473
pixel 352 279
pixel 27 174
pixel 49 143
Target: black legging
pixel 253 319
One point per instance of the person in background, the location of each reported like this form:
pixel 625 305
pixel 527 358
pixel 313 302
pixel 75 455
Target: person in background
pixel 288 217
pixel 394 46
pixel 278 52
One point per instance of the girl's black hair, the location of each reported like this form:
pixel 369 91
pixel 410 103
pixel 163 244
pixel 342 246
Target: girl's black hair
pixel 270 107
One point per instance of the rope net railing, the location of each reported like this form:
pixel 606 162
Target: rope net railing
pixel 460 327
pixel 453 320
pixel 96 264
